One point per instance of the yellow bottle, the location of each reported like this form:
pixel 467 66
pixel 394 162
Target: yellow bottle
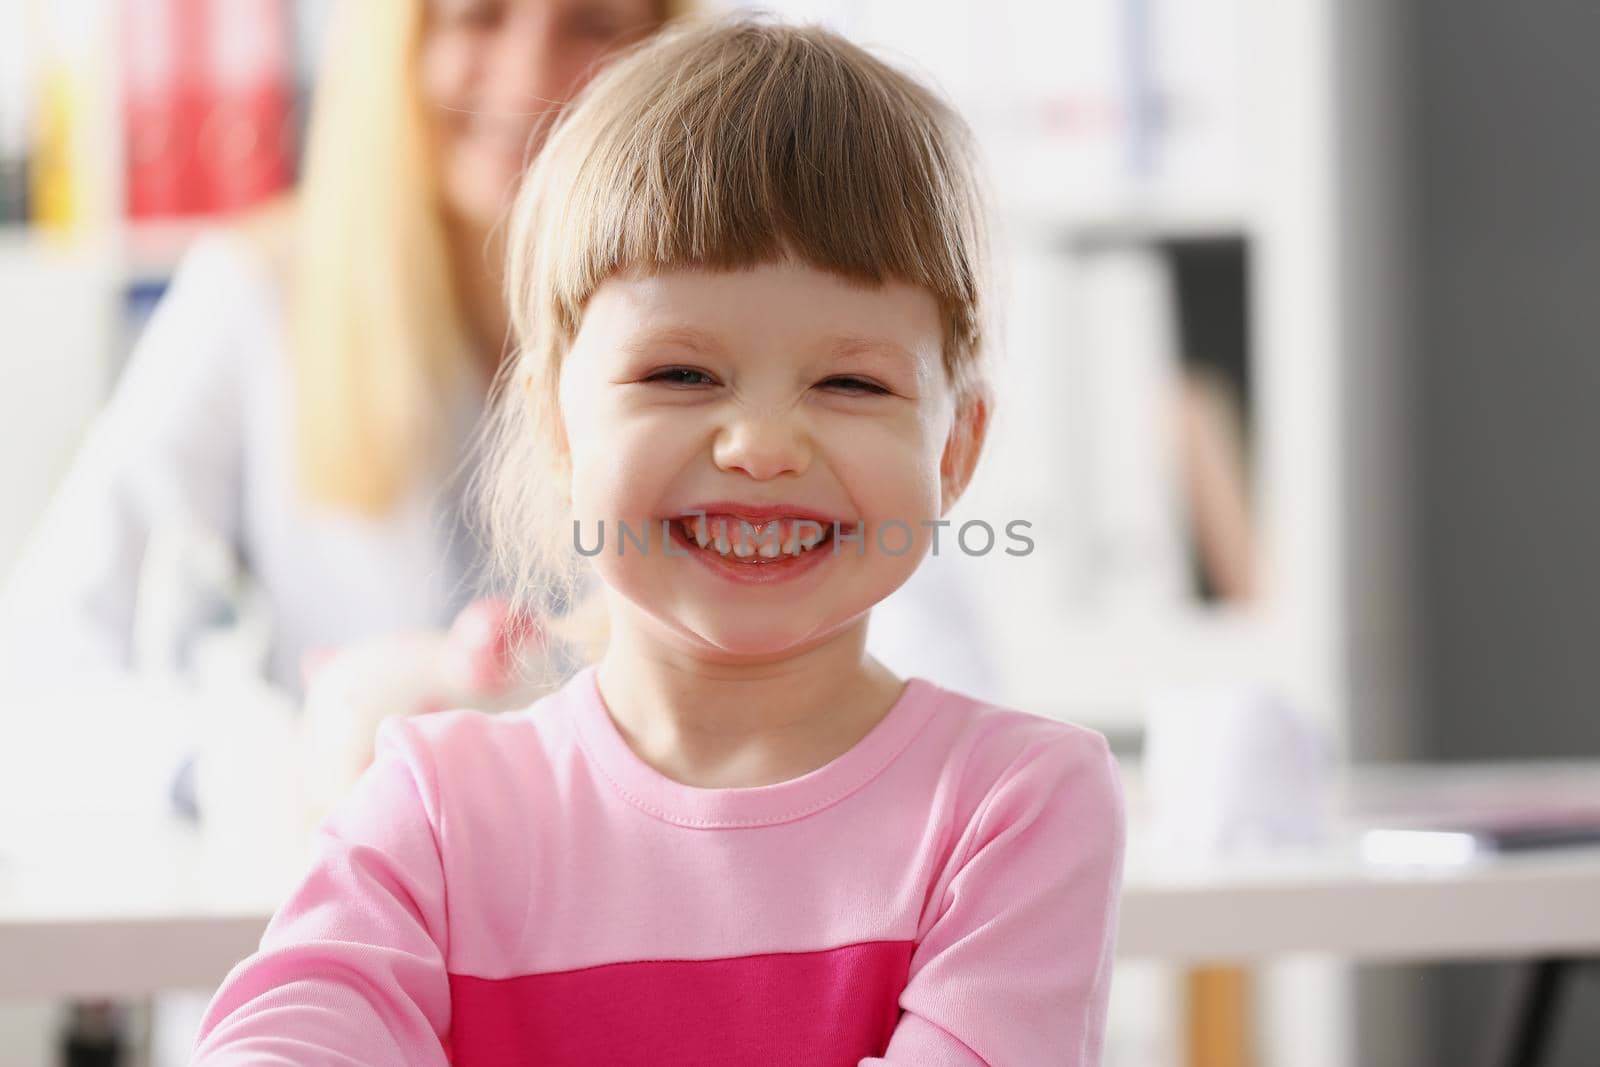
pixel 72 156
pixel 55 193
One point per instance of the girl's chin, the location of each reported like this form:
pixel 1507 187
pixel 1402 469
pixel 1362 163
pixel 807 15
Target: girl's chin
pixel 762 647
pixel 759 641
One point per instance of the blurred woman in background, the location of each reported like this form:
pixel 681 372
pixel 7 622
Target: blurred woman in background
pixel 306 391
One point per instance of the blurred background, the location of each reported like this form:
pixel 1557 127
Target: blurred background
pixel 1297 375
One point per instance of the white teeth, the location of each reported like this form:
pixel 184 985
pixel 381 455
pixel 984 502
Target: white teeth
pixel 762 537
pixel 696 532
pixel 753 539
pixel 799 543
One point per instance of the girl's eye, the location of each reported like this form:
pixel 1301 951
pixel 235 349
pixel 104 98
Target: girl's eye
pixel 856 385
pixel 680 376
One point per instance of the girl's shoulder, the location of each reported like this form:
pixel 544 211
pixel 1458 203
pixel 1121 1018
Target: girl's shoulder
pixel 989 743
pixel 1008 768
pixel 1009 728
pixel 468 752
pixel 451 734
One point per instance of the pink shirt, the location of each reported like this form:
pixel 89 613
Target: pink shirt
pixel 524 888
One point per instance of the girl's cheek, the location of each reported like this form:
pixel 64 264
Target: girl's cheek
pixel 899 441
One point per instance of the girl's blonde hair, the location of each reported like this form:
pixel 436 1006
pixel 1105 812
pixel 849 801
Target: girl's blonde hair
pixel 377 336
pixel 720 144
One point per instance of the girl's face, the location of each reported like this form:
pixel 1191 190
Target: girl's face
pixel 778 392
pixel 492 72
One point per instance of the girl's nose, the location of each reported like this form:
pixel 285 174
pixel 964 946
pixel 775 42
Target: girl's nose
pixel 763 446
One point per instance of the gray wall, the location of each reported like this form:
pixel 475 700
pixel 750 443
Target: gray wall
pixel 1503 171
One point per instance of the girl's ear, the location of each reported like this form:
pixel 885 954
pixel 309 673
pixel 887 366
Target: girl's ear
pixel 962 449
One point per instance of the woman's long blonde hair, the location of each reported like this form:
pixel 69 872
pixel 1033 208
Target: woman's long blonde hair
pixel 378 340
pixel 722 144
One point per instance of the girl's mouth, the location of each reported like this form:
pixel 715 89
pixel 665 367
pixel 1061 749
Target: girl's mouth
pixel 753 542
pixel 747 551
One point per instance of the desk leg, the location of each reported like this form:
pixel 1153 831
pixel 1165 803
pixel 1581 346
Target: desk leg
pixel 1533 1014
pixel 95 1034
pixel 1219 1022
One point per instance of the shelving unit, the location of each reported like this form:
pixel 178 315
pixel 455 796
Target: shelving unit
pixel 1325 449
pixel 74 292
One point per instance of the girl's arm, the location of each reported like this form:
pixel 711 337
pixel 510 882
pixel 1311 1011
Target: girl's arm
pixel 351 969
pixel 1016 968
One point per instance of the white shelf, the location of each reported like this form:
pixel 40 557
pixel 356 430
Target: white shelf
pixel 115 255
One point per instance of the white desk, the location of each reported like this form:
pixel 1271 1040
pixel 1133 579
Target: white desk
pixel 102 905
pixel 1330 901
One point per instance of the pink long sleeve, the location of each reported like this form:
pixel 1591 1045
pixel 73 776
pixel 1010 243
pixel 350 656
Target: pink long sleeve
pixel 524 888
pixel 1017 966
pixel 351 968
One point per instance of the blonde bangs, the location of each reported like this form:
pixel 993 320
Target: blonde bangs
pixel 737 142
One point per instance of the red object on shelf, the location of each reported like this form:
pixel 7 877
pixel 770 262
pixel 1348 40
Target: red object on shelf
pixel 208 105
pixel 161 90
pixel 246 131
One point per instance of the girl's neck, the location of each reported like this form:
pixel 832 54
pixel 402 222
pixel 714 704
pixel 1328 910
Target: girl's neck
pixel 732 724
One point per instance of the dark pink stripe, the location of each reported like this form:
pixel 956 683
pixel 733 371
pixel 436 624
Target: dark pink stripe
pixel 816 1008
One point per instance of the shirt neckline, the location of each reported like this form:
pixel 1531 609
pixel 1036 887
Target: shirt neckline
pixel 746 806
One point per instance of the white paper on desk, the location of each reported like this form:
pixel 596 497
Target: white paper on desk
pixel 1230 769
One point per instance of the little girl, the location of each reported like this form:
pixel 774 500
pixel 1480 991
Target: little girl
pixel 747 279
